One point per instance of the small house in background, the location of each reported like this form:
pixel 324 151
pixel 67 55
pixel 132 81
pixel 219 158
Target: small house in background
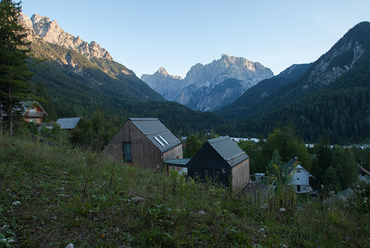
pixel 220 160
pixel 145 142
pixel 33 112
pixel 363 175
pixel 340 198
pixel 68 123
pixel 300 176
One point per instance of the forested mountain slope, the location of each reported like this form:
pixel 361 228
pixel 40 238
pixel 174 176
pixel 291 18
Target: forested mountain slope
pixel 330 99
pixel 251 97
pixel 76 84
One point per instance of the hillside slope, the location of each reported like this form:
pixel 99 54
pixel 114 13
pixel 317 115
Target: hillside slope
pixel 254 95
pixel 54 196
pixel 330 99
pixel 76 84
pixel 79 76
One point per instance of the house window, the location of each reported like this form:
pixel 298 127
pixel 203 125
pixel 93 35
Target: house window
pixel 298 171
pixel 127 152
pixel 298 188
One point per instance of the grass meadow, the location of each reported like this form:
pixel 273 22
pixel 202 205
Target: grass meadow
pixel 52 196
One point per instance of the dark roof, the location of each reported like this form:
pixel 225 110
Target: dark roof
pixel 229 150
pixel 342 196
pixel 363 170
pixel 157 133
pixel 68 123
pixel 177 162
pixel 292 164
pixel 289 167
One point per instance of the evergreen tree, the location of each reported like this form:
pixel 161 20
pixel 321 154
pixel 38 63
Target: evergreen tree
pixel 323 160
pixel 254 151
pixel 275 166
pixel 192 146
pixel 289 146
pixel 94 132
pixel 346 167
pixel 14 71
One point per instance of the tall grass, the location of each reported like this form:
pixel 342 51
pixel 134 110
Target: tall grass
pixel 74 196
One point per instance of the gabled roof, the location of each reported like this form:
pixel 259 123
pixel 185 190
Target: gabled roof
pixel 363 170
pixel 68 123
pixel 229 150
pixel 29 109
pixel 157 133
pixel 291 165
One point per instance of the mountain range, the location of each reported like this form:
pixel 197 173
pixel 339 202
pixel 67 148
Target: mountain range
pixel 79 75
pixel 211 86
pixel 327 98
pixel 77 78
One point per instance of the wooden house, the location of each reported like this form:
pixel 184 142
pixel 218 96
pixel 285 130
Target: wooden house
pixel 300 176
pixel 220 160
pixel 145 142
pixel 33 112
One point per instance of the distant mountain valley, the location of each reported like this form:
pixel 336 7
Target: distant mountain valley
pixel 211 86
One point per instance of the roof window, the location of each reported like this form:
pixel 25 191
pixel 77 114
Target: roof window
pixel 158 141
pixel 163 139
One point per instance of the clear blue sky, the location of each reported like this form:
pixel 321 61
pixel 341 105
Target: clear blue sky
pixel 144 35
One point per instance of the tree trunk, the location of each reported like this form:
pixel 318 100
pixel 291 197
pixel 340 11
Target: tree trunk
pixel 10 112
pixel 1 121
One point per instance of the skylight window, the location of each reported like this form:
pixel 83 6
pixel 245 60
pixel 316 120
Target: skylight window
pixel 158 141
pixel 163 139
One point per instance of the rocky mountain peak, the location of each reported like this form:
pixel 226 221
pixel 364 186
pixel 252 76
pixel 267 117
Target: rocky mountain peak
pixel 211 86
pixel 341 58
pixel 237 61
pixel 167 85
pixel 162 71
pixel 50 31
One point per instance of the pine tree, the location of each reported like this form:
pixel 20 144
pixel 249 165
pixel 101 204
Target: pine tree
pixel 192 146
pixel 14 71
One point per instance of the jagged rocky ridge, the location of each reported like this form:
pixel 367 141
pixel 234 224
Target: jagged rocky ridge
pixel 167 85
pixel 211 86
pixel 49 31
pixel 80 70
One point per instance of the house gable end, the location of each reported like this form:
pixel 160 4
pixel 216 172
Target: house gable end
pixel 208 158
pixel 228 150
pixel 158 134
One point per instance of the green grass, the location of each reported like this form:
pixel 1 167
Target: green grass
pixel 74 196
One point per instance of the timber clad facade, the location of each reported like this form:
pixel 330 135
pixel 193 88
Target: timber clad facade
pixel 145 142
pixel 33 112
pixel 220 160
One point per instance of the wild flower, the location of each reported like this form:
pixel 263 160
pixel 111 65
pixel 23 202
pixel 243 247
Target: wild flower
pixel 365 200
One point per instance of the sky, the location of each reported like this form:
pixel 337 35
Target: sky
pixel 145 35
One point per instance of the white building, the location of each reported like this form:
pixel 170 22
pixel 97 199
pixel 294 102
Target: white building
pixel 300 176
